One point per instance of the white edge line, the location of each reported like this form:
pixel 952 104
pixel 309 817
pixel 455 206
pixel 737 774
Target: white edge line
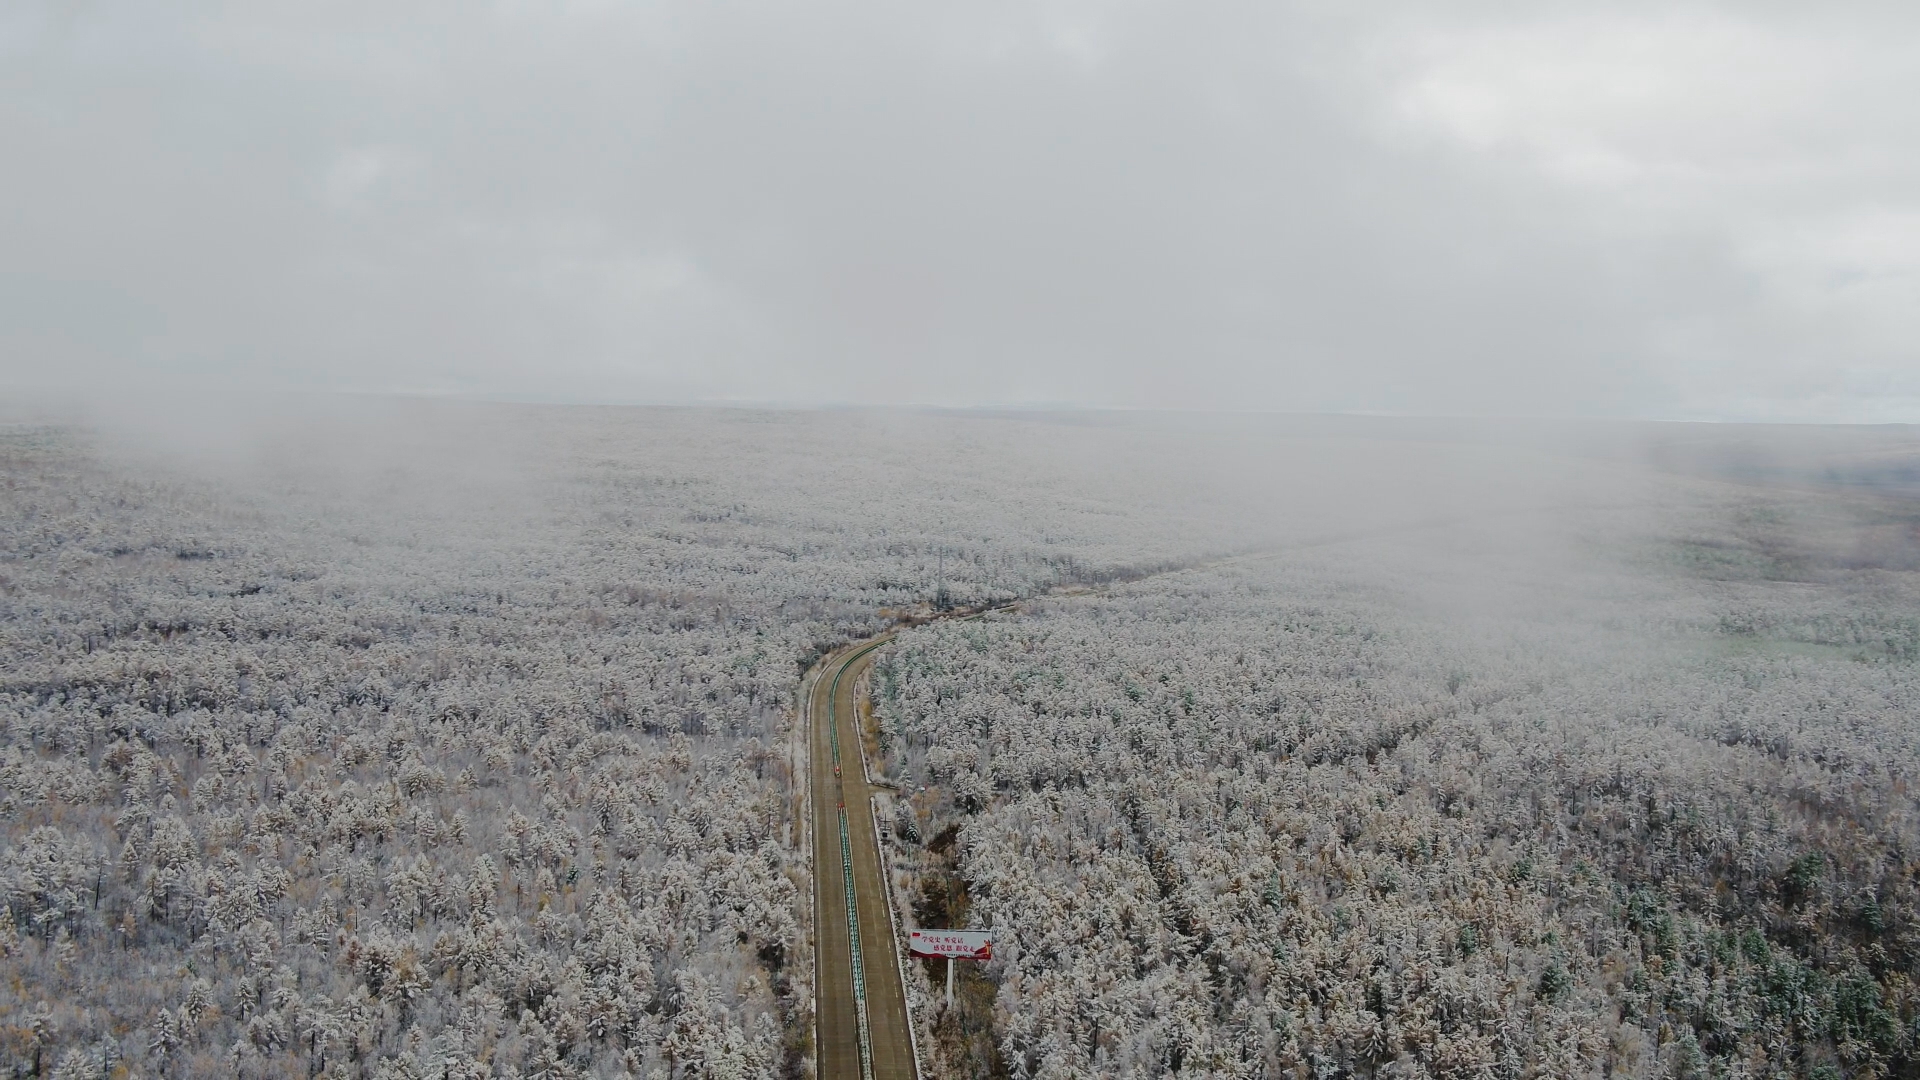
pixel 886 873
pixel 807 682
pixel 860 729
pixel 893 921
pixel 878 641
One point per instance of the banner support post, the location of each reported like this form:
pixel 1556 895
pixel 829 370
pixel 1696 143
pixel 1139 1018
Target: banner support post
pixel 949 982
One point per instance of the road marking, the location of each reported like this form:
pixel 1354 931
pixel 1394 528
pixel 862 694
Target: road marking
pixel 846 869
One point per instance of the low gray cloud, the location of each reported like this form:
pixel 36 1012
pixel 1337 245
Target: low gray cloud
pixel 1541 209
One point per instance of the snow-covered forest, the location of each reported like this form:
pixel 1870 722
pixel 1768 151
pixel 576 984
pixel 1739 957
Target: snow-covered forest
pixel 458 741
pixel 1622 791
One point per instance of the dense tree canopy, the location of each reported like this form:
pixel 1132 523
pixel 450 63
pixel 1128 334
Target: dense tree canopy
pixel 427 758
pixel 393 767
pixel 1440 807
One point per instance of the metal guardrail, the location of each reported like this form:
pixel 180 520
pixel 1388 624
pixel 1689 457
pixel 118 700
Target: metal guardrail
pixel 853 945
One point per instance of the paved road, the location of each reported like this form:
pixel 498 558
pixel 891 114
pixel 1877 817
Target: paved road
pixel 861 1011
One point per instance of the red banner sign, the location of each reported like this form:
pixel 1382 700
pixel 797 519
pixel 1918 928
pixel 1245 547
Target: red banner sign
pixel 957 944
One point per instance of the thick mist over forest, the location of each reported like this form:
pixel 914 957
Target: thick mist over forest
pixel 400 737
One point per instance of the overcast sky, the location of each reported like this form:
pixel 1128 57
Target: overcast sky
pixel 1658 210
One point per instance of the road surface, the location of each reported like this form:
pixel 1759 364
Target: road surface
pixel 861 1025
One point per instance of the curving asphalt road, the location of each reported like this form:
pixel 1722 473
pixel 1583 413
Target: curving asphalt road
pixel 862 1030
